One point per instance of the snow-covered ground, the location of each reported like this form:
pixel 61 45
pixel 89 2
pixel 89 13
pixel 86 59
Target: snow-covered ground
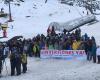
pixel 52 69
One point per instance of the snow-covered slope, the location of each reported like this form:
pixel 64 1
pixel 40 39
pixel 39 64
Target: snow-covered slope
pixel 33 17
pixel 41 15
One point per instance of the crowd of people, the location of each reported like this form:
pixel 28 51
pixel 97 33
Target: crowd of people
pixel 18 50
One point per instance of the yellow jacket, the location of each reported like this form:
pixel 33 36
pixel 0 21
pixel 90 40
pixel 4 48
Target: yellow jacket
pixel 24 58
pixel 76 45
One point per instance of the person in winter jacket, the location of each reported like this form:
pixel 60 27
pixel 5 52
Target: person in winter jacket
pixel 1 58
pixel 6 51
pixel 49 31
pixel 15 60
pixel 34 50
pixel 37 50
pixel 25 47
pixel 98 54
pixel 53 31
pixel 30 48
pixel 94 48
pixel 89 49
pixel 24 61
pixel 51 47
pixel 68 45
pixel 41 44
pixel 56 45
pixel 75 45
pixel 86 37
pixel 60 45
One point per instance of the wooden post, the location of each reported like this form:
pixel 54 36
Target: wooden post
pixel 10 16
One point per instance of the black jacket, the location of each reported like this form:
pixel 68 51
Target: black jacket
pixel 1 53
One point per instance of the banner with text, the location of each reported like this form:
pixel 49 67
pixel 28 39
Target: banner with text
pixel 64 54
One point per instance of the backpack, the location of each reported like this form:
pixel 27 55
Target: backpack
pixel 15 52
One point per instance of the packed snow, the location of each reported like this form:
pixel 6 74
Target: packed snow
pixel 33 17
pixel 54 69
